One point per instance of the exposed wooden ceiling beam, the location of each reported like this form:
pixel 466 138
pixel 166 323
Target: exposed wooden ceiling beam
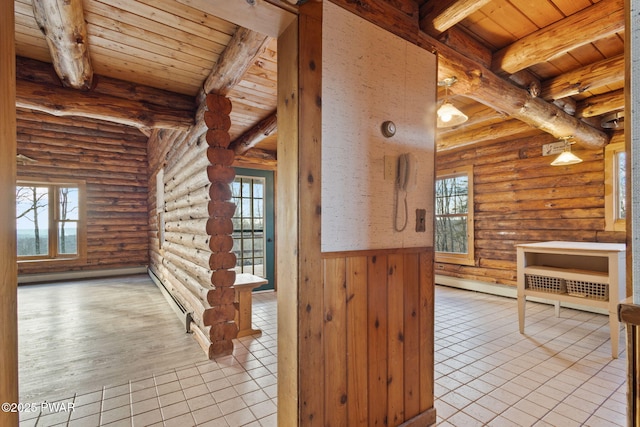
pixel 593 23
pixel 466 45
pixel 478 83
pixel 437 16
pixel 60 101
pixel 62 23
pixel 601 104
pixel 598 74
pixel 43 73
pixel 243 49
pixel 257 133
pixel 234 62
pixel 476 134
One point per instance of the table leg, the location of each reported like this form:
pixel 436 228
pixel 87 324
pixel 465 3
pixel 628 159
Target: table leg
pixel 244 314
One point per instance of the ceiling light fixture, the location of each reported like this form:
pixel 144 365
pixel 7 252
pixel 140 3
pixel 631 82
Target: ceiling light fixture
pixel 448 114
pixel 566 157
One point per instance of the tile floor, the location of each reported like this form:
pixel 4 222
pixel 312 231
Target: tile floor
pixel 559 374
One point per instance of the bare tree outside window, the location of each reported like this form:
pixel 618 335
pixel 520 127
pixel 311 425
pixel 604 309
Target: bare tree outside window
pixel 451 214
pixel 47 220
pixel 68 217
pixel 32 209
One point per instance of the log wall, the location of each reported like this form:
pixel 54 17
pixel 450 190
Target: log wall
pixel 191 253
pixel 112 160
pixel 520 198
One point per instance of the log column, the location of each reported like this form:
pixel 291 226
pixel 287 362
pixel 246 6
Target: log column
pixel 220 226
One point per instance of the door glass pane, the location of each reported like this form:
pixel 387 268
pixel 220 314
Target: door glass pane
pixel 621 211
pixel 249 224
pixel 32 220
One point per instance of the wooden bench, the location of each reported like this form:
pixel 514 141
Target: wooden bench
pixel 244 285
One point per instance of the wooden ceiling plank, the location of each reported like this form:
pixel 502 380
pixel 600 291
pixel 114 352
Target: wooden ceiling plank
pixel 144 69
pixel 59 101
pixel 168 21
pixel 600 20
pixel 62 23
pixel 438 16
pixel 100 26
pixel 493 37
pixel 540 13
pixel 261 17
pixel 150 77
pixel 196 16
pixel 120 13
pixel 181 63
pixel 569 7
pixel 610 46
pixel 598 74
pixel 504 15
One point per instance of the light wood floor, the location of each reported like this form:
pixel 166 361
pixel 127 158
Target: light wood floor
pixel 82 335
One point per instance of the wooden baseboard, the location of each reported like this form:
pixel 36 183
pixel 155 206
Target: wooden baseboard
pixel 427 418
pixel 75 275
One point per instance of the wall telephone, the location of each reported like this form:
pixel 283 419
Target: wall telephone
pixel 406 180
pixel 407 172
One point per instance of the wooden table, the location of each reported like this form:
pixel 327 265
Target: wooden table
pixel 244 285
pixel 593 266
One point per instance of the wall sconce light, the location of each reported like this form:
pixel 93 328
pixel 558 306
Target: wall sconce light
pixel 448 114
pixel 566 157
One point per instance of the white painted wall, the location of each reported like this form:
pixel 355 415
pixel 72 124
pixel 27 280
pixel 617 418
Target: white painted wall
pixel 370 76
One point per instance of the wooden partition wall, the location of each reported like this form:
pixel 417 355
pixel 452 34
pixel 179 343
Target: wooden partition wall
pixel 355 327
pixel 378 328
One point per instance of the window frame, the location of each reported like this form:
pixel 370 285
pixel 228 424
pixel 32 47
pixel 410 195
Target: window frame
pixel 611 220
pixel 450 257
pixel 53 256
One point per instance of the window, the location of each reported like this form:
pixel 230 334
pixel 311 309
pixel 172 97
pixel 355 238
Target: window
pixel 248 224
pixel 614 187
pixel 49 220
pixel 454 216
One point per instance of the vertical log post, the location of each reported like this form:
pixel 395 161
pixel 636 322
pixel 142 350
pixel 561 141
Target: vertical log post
pixel 220 227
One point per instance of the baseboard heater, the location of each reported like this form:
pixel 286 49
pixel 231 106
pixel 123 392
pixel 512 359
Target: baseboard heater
pixel 176 306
